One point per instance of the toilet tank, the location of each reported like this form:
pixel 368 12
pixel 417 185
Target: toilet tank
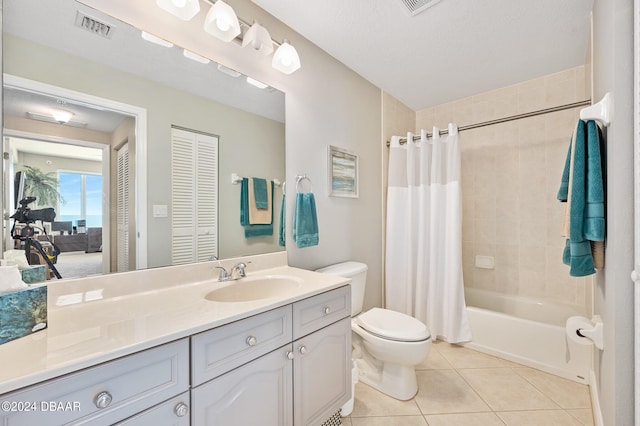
pixel 357 272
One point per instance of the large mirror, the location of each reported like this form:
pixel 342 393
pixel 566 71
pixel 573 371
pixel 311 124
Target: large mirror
pixel 142 170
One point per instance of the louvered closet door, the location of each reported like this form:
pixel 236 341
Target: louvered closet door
pixel 122 209
pixel 207 197
pixel 194 173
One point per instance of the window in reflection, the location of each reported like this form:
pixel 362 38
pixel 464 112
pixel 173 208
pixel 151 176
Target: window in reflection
pixel 82 195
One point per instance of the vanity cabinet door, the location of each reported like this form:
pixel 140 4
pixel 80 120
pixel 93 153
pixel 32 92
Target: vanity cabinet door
pixel 174 412
pixel 322 373
pixel 258 393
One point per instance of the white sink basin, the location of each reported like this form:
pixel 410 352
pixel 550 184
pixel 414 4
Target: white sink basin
pixel 255 288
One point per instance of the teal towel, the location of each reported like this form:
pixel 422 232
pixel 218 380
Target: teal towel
pixel 251 231
pixel 594 226
pixel 260 193
pixel 584 191
pixel 305 221
pixel 563 191
pixel 281 226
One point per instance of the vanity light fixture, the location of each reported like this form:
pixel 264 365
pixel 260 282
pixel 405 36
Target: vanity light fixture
pixel 156 40
pixel 189 54
pixel 61 116
pixel 259 39
pixel 222 22
pixel 286 59
pixel 182 9
pixel 258 84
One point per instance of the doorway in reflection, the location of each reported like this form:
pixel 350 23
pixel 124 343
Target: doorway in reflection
pixel 87 160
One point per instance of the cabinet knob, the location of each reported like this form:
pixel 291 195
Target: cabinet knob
pixel 181 409
pixel 302 350
pixel 103 399
pixel 326 310
pixel 289 355
pixel 251 341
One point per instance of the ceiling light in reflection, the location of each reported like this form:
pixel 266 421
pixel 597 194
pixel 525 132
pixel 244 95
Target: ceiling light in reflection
pixel 195 57
pixel 156 40
pixel 228 71
pixel 258 84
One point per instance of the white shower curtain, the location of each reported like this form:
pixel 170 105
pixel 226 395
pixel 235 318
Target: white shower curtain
pixel 424 234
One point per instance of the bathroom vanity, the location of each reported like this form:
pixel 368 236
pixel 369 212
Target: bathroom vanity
pixel 170 353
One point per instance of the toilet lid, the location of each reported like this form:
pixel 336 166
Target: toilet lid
pixel 393 325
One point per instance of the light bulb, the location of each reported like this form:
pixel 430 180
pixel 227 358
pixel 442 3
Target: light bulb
pixel 182 9
pixel 286 59
pixel 223 24
pixel 259 39
pixel 61 116
pixel 256 44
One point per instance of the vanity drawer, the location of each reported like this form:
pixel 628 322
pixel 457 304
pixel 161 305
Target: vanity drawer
pixel 174 412
pixel 217 351
pixel 123 387
pixel 319 311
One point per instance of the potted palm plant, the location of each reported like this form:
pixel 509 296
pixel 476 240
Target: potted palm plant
pixel 43 186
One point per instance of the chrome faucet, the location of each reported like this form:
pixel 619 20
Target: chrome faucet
pixel 236 273
pixel 223 275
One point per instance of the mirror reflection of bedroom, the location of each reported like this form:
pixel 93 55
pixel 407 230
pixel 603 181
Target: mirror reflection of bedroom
pixel 74 176
pixel 61 167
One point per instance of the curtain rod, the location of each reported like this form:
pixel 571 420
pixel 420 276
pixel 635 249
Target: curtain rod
pixel 505 119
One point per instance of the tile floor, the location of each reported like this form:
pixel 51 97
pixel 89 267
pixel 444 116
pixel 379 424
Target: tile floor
pixel 459 386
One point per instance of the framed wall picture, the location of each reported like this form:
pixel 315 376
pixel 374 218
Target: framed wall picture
pixel 343 173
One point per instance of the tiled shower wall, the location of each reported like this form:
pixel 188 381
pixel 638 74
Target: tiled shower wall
pixel 510 177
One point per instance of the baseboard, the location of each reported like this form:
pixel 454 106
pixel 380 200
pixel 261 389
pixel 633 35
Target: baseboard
pixel 595 399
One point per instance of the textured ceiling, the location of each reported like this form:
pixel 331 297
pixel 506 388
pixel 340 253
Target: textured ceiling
pixel 455 49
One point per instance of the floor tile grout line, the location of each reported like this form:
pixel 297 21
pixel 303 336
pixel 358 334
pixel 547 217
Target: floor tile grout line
pixel 475 390
pixel 535 387
pixel 546 394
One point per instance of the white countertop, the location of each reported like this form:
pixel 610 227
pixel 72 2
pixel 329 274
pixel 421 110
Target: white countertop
pixel 94 320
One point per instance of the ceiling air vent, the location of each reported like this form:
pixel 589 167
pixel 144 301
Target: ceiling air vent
pixel 417 6
pixel 92 25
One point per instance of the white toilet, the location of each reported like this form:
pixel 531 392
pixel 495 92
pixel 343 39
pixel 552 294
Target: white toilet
pixel 387 345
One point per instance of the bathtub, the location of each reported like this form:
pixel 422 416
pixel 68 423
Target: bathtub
pixel 528 332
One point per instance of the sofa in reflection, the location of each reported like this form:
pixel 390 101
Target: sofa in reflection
pixel 89 242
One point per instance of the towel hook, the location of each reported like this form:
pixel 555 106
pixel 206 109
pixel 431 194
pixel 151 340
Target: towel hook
pixel 600 111
pixel 301 178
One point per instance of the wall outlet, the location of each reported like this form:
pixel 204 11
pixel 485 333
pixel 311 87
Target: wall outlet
pixel 485 262
pixel 160 210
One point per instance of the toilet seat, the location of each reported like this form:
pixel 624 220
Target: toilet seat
pixel 393 325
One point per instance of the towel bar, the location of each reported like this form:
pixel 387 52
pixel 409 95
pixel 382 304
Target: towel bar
pixel 236 179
